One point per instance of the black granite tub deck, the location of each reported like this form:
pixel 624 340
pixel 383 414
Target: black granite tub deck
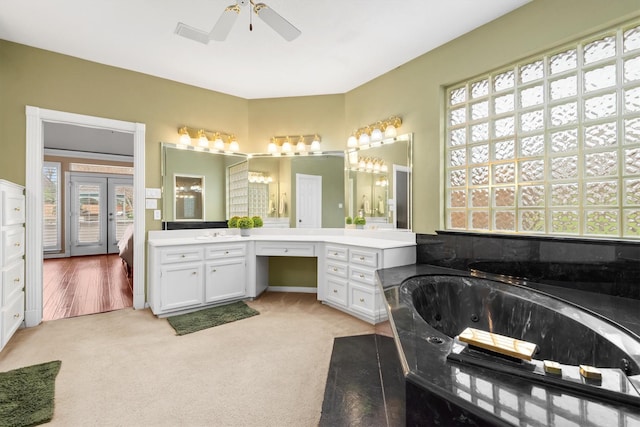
pixel 442 390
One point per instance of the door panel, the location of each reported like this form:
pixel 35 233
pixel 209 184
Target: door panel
pixel 308 201
pixel 101 210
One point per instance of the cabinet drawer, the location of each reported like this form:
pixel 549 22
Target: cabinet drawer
pixel 337 269
pixel 285 249
pixel 225 251
pixel 363 275
pixel 12 316
pixel 363 257
pixel 180 254
pixel 12 281
pixel 12 244
pixel 337 291
pixel 361 299
pixel 337 253
pixel 12 209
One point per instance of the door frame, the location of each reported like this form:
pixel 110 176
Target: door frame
pixel 35 117
pixel 396 169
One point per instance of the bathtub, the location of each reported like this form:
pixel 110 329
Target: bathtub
pixel 429 306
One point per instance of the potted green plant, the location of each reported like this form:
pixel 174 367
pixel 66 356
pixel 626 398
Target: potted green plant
pixel 257 221
pixel 244 224
pixel 359 221
pixel 349 222
pixel 233 222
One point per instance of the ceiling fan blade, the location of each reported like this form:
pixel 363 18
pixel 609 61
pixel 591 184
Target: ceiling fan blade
pixel 277 22
pixel 222 28
pixel 192 33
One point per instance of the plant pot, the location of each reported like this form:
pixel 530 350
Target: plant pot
pixel 244 232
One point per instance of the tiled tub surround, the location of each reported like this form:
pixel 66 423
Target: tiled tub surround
pixel 600 275
pixel 429 305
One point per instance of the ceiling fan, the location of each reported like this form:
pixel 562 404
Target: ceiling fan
pixel 221 29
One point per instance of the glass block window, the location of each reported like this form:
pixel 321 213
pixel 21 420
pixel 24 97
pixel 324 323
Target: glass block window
pixel 549 145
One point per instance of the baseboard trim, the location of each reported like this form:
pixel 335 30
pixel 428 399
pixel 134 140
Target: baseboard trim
pixel 299 289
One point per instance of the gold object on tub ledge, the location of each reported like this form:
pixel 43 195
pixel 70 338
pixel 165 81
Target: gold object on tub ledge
pixel 498 343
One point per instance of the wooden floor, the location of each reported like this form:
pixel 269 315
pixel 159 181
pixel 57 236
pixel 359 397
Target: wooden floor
pixel 77 286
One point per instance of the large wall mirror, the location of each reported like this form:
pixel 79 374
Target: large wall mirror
pixel 378 183
pixel 257 184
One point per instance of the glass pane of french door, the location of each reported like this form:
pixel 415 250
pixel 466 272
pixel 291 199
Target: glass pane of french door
pixel 120 210
pixel 89 201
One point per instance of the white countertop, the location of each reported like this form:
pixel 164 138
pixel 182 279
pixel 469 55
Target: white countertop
pixel 365 238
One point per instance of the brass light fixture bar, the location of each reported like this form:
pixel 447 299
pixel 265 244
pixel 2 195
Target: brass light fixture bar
pixel 292 145
pixel 374 133
pixel 206 140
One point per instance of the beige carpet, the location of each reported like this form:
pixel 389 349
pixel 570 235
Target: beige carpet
pixel 128 368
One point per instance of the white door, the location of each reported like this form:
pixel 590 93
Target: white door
pixel 308 201
pixel 101 208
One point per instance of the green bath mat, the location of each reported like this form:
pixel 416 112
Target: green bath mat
pixel 27 394
pixel 210 317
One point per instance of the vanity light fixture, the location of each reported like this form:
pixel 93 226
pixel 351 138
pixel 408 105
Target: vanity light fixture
pixel 202 136
pixel 373 133
pixel 305 144
pixel 372 165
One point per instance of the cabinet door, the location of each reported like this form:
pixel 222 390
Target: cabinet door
pixel 225 279
pixel 181 286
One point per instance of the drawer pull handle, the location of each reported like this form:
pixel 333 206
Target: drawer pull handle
pixel 214 270
pixel 361 258
pixel 335 291
pixel 194 273
pixel 335 254
pixel 16 316
pixel 16 209
pixel 226 252
pixel 335 269
pixel 286 250
pixel 361 276
pixel 16 244
pixel 16 280
pixel 361 299
pixel 183 256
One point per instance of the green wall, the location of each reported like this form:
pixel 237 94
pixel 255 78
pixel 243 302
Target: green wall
pixel 30 76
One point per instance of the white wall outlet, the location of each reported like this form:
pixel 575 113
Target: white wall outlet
pixel 157 215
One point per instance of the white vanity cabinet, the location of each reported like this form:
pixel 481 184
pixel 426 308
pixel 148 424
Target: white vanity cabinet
pixel 225 272
pixel 187 277
pixel 181 278
pixel 336 274
pixel 350 277
pixel 12 218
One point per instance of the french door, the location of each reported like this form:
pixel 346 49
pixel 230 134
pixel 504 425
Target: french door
pixel 101 209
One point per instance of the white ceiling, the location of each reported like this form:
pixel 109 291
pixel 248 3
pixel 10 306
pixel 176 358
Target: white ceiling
pixel 344 43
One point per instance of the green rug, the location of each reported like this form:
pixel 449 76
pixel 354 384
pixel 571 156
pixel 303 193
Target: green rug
pixel 26 394
pixel 210 317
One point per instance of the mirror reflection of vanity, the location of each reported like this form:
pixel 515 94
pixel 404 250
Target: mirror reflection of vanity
pixel 257 184
pixel 264 185
pixel 378 183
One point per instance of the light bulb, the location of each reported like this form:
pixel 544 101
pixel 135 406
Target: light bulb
pixel 390 131
pixel 364 139
pixel 315 145
pixel 218 143
pixel 233 144
pixel 286 146
pixel 202 139
pixel 352 141
pixel 185 139
pixel 301 146
pixel 272 147
pixel 376 134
